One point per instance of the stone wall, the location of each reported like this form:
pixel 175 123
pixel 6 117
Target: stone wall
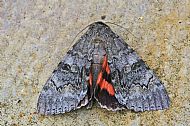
pixel 34 36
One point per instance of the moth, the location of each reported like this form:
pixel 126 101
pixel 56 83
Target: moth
pixel 102 67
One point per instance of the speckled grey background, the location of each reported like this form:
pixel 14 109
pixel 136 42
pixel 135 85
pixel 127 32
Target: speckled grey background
pixel 35 35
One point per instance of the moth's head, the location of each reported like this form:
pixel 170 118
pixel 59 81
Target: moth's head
pixel 98 24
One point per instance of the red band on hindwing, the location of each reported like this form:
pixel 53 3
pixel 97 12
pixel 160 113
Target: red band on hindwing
pixel 103 76
pixel 107 69
pixel 104 64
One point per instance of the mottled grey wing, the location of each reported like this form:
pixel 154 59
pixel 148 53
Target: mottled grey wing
pixel 66 89
pixel 136 86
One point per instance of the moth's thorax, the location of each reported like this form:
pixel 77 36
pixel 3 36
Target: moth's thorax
pixel 99 51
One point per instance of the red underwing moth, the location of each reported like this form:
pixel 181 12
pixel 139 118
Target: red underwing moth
pixel 102 67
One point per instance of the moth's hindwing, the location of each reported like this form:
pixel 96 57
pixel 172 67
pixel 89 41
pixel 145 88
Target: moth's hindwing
pixel 105 92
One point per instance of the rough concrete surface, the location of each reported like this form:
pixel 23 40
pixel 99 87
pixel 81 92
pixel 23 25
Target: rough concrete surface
pixel 35 35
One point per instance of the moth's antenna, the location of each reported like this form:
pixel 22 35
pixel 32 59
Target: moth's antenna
pixel 78 34
pixel 123 28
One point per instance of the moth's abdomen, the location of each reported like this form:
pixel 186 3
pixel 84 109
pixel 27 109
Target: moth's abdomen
pixel 97 58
